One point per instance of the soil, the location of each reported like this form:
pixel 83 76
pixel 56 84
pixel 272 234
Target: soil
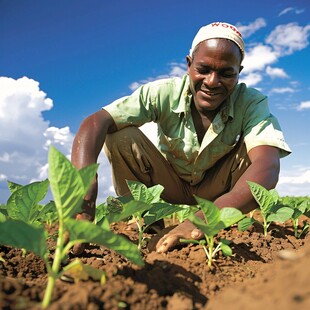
pixel 272 271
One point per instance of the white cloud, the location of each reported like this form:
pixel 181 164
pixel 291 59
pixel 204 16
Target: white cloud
pixel 252 27
pixel 251 79
pixel 176 70
pixel 258 57
pixel 285 11
pixel 303 105
pixel 290 9
pixel 276 72
pixel 25 137
pixel 282 90
pixel 294 183
pixel 286 39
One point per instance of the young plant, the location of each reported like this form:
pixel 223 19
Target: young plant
pixel 144 207
pixel 300 206
pixel 269 206
pixel 68 186
pixel 215 220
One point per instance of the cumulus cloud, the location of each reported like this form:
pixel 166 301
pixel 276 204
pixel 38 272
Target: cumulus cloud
pixel 282 90
pixel 276 72
pixel 294 183
pixel 304 105
pixel 286 39
pixel 26 136
pixel 248 30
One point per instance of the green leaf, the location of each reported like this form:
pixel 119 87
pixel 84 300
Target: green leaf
pixel 263 197
pixel 230 216
pixel 2 217
pixel 141 193
pixel 130 208
pixel 226 249
pixel 22 235
pixel 282 215
pixel 245 223
pixel 186 210
pixel 48 212
pixel 160 211
pixel 68 185
pixel 13 186
pixel 79 271
pixel 296 214
pixel 209 230
pixel 89 232
pixel 23 202
pixel 210 211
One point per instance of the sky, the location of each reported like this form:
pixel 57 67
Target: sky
pixel 61 61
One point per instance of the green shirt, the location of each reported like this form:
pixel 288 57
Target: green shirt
pixel 167 102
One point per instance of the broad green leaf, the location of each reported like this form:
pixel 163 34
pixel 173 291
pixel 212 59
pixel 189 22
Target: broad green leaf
pixel 160 211
pixel 282 215
pixel 186 210
pixel 48 212
pixel 2 217
pixel 226 249
pixel 245 223
pixel 141 192
pixel 23 202
pixel 89 232
pixel 22 235
pixel 296 214
pixel 13 186
pixel 129 209
pixel 263 197
pixel 230 216
pixel 210 211
pixel 207 229
pixel 88 174
pixel 68 185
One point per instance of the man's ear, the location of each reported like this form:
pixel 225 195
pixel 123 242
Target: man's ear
pixel 189 61
pixel 241 68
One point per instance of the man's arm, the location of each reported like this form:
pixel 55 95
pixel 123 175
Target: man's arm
pixel 264 170
pixel 86 148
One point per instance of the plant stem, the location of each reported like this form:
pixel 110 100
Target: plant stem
pixel 210 241
pixel 54 271
pixel 265 225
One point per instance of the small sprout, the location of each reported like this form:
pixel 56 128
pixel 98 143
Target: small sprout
pixel 271 209
pixel 145 207
pixel 215 220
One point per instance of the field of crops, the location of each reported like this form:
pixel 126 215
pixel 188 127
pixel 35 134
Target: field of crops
pixel 256 260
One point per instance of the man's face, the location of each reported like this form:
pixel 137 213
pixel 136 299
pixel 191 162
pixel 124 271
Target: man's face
pixel 213 72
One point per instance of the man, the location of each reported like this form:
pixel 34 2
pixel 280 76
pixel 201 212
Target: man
pixel 213 134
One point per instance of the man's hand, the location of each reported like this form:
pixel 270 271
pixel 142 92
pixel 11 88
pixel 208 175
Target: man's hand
pixel 185 230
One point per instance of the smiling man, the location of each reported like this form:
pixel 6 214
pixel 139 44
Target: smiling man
pixel 213 134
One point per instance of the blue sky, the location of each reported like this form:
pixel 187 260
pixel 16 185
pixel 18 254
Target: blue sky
pixel 63 60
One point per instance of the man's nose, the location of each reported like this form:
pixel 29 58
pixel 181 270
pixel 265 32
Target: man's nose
pixel 212 79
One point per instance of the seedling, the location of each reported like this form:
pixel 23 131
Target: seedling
pixel 144 207
pixel 300 206
pixel 215 220
pixel 270 207
pixel 68 186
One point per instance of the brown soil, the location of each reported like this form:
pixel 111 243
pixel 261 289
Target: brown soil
pixel 272 271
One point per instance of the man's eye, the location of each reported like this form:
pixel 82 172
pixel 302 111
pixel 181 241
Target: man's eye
pixel 203 70
pixel 228 74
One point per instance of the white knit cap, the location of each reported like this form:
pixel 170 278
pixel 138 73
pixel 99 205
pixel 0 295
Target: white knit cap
pixel 218 30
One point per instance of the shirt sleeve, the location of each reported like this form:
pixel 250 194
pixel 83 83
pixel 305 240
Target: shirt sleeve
pixel 262 128
pixel 134 110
